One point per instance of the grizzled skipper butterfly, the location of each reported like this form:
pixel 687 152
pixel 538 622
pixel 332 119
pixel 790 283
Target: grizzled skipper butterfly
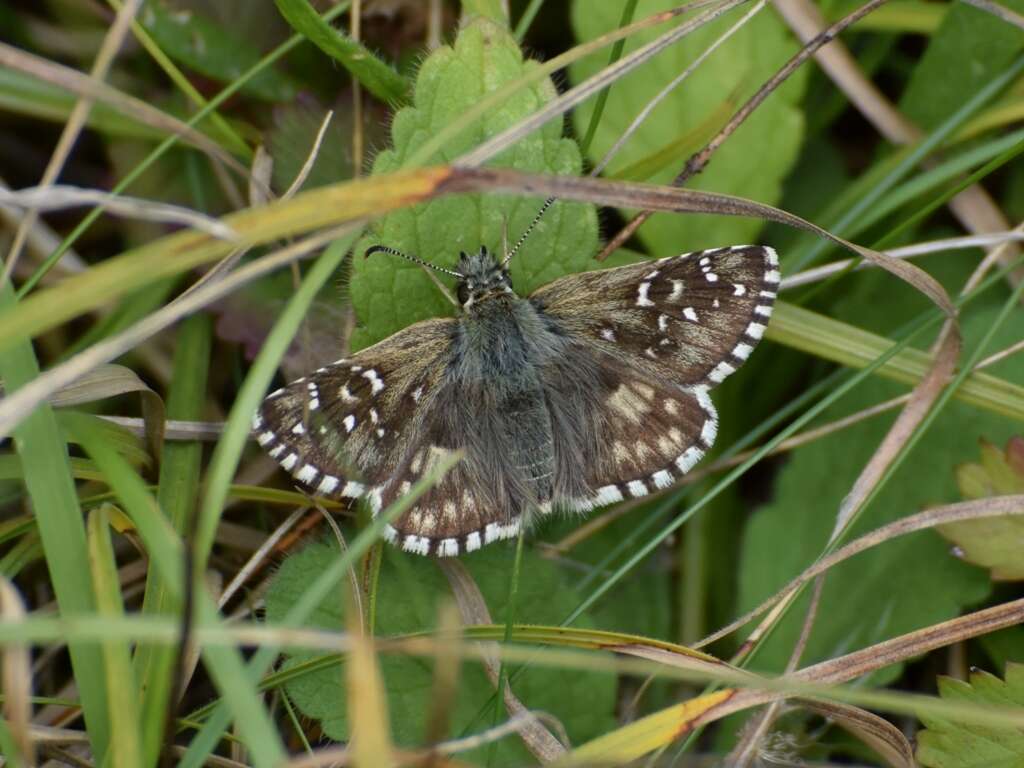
pixel 591 390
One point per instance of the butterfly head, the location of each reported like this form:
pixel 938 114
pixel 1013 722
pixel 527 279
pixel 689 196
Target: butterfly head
pixel 481 278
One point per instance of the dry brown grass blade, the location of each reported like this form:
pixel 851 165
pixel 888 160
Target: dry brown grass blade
pixel 17 679
pixel 40 241
pixel 538 739
pixel 624 194
pixel 817 274
pixel 922 398
pixel 673 723
pixel 879 734
pixel 973 207
pixel 75 82
pixel 59 197
pixel 965 510
pixel 899 649
pixel 699 160
pixel 73 126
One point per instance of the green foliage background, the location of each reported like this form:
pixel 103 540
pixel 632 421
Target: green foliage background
pixel 805 150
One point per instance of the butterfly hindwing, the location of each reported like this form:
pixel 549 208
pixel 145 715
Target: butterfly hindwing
pixel 693 318
pixel 652 433
pixel 344 428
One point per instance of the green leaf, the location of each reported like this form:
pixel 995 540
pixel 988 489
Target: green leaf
pixel 946 744
pixel 389 293
pixel 378 78
pixel 995 543
pixel 410 589
pixel 753 163
pixel 970 47
pixel 205 46
pixel 900 586
pixel 495 10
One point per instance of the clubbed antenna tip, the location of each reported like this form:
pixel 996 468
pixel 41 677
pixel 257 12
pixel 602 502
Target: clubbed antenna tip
pixel 395 252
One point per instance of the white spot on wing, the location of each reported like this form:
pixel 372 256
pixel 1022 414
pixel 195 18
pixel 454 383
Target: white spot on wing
pixel 755 330
pixel 307 474
pixel 641 295
pixel 637 488
pixel 662 479
pixel 419 545
pixel 353 489
pixel 328 485
pixel 266 437
pixel 298 429
pixel 677 290
pixel 349 422
pixel 690 314
pixel 290 461
pixel 739 290
pixel 376 383
pixel 609 494
pixel 720 372
pixel 473 541
pixel 448 547
pixel 689 459
pixel 709 431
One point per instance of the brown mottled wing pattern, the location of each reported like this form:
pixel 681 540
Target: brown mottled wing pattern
pixel 624 359
pixel 457 515
pixel 343 430
pixel 692 319
pixel 666 332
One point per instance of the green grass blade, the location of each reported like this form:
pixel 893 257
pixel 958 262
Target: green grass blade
pixel 126 741
pixel 44 453
pixel 224 664
pixel 177 497
pixel 848 345
pixel 318 591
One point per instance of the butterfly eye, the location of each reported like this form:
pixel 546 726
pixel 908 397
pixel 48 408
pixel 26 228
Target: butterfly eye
pixel 464 291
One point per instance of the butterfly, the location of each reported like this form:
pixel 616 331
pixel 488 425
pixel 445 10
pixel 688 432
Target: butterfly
pixel 591 390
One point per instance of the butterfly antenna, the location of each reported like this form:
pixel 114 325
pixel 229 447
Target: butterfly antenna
pixel 395 252
pixel 529 229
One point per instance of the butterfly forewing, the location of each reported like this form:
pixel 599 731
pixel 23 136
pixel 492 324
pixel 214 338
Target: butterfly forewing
pixel 344 429
pixel 693 318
